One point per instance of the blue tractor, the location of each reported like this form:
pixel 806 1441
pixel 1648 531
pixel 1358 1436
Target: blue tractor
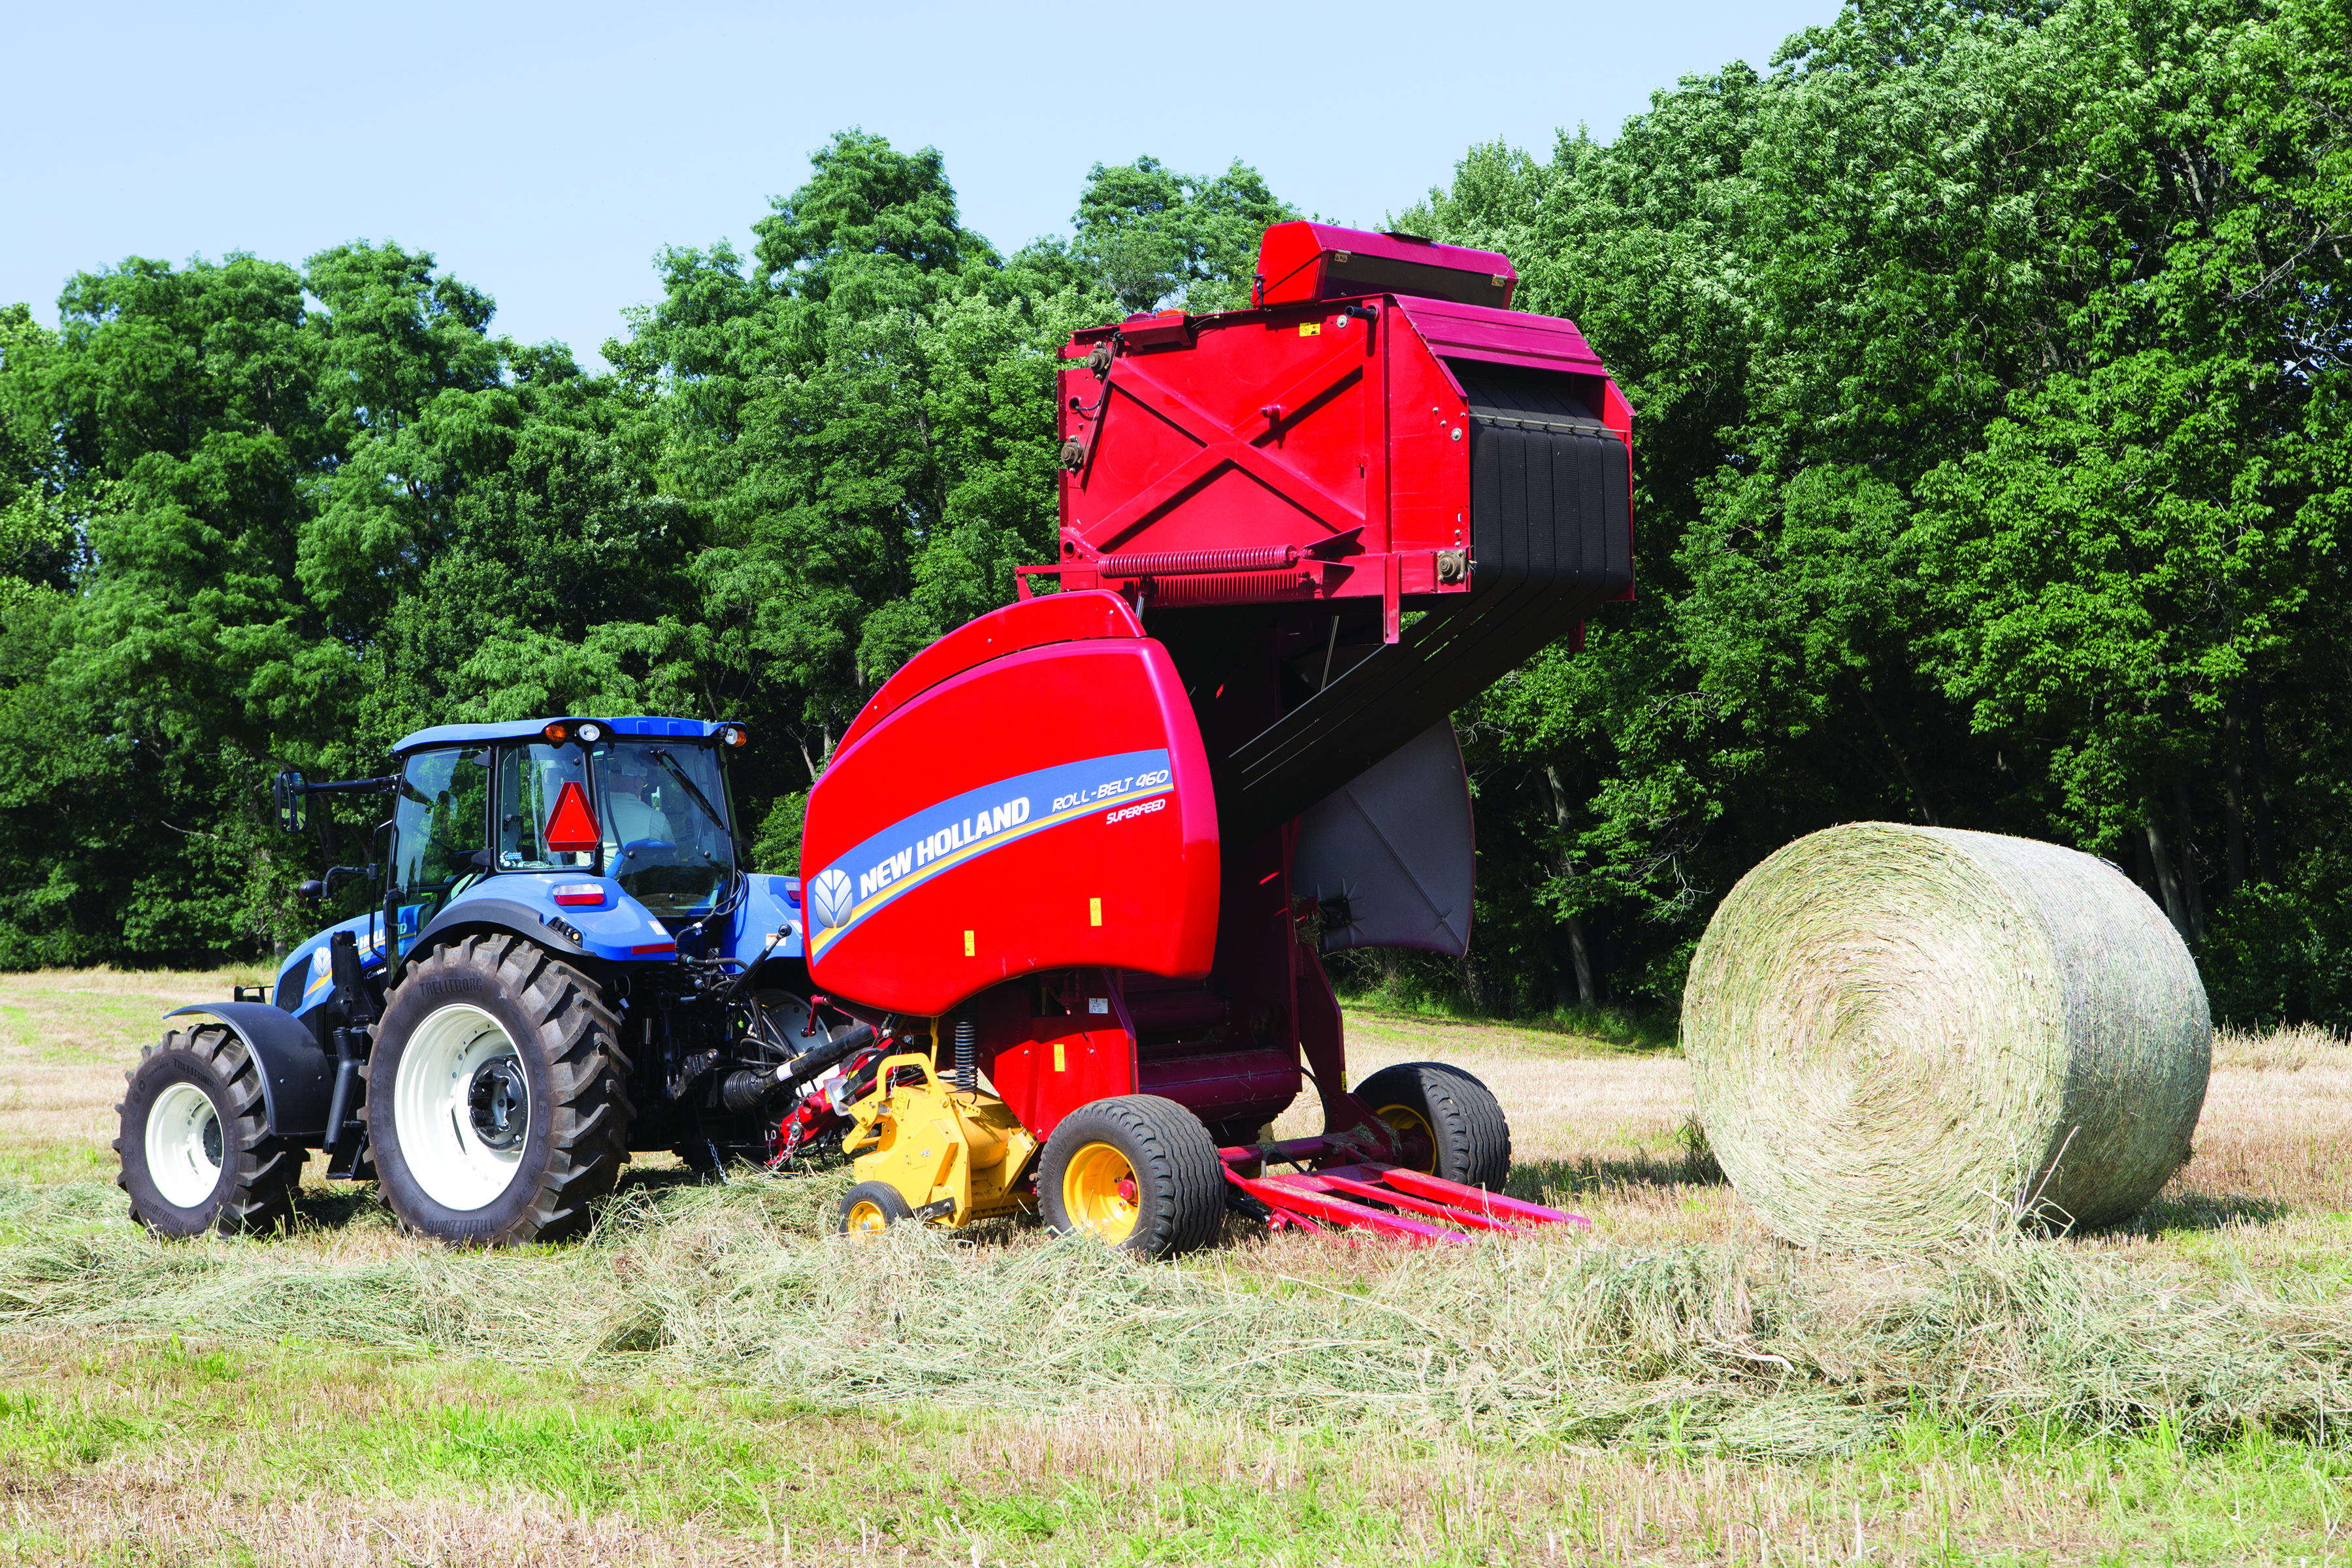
pixel 566 963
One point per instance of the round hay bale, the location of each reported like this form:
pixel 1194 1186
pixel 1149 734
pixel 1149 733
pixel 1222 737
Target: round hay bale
pixel 1901 1035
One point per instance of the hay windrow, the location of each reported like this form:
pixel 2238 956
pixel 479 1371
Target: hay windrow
pixel 1903 1034
pixel 1778 1355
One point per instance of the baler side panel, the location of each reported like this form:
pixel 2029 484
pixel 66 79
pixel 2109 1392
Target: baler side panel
pixel 1049 809
pixel 1429 456
pixel 1230 1055
pixel 1054 1051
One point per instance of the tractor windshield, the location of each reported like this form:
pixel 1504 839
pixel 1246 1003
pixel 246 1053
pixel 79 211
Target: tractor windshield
pixel 663 810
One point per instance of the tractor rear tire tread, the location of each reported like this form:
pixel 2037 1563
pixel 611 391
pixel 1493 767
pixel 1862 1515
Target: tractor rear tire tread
pixel 579 1040
pixel 1180 1181
pixel 262 1170
pixel 1473 1138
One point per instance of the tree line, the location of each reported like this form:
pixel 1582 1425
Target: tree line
pixel 1988 364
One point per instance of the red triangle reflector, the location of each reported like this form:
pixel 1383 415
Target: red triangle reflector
pixel 571 827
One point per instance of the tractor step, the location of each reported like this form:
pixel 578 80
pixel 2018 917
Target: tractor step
pixel 1415 1206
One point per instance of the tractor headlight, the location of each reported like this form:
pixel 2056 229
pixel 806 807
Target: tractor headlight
pixel 734 737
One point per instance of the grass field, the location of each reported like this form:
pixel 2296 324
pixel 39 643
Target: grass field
pixel 712 1379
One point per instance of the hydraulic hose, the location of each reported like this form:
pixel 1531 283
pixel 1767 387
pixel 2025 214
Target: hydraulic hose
pixel 748 1088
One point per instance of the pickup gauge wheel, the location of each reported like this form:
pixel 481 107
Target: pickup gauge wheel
pixel 870 1208
pixel 496 1106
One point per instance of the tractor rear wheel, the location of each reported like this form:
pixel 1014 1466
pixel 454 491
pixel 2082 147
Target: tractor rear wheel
pixel 1138 1173
pixel 195 1147
pixel 496 1107
pixel 1453 1126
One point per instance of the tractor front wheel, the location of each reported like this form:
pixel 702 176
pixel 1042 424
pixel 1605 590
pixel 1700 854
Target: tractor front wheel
pixel 195 1147
pixel 1453 1126
pixel 1138 1173
pixel 496 1106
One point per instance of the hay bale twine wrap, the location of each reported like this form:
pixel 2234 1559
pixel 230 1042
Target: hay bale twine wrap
pixel 1901 1035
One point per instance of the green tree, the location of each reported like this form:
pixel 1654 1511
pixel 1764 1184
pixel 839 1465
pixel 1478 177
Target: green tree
pixel 863 417
pixel 1154 236
pixel 1984 365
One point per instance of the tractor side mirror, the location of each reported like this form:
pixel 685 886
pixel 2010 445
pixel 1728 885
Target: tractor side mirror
pixel 291 794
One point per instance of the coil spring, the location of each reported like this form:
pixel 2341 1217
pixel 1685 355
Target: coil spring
pixel 967 1067
pixel 1226 590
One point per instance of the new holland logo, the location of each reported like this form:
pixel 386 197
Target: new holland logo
pixel 829 899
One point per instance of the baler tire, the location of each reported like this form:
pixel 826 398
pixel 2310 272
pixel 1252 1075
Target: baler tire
pixel 1179 1201
pixel 868 1203
pixel 565 1040
pixel 1470 1139
pixel 205 1079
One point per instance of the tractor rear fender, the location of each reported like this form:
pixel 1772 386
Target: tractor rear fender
pixel 297 1077
pixel 488 914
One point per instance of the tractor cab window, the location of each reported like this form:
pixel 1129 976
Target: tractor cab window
pixel 663 807
pixel 441 823
pixel 531 782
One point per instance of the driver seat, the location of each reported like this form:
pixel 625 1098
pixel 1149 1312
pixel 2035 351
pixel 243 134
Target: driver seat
pixel 632 819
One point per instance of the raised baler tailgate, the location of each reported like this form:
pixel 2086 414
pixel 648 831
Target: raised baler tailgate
pixel 1050 809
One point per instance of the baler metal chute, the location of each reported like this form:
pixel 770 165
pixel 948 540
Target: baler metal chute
pixel 1100 838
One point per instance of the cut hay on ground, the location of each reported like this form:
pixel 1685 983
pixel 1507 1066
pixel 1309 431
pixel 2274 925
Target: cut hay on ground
pixel 1763 1355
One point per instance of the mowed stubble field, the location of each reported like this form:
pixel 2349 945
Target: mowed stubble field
pixel 712 1379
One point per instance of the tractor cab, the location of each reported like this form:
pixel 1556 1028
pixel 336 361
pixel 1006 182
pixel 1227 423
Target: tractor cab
pixel 649 813
pixel 606 838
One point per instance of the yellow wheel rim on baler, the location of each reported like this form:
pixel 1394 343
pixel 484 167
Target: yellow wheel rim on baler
pixel 1099 1193
pixel 866 1218
pixel 1407 1120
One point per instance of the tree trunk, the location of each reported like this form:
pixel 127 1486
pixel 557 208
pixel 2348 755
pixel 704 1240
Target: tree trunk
pixel 1583 959
pixel 1918 790
pixel 2173 911
pixel 1564 866
pixel 2265 854
pixel 2233 796
pixel 2192 893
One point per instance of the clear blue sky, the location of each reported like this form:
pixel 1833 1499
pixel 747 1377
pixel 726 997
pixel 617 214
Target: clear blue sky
pixel 545 152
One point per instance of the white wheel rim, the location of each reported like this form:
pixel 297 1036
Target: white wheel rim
pixel 183 1142
pixel 432 1114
